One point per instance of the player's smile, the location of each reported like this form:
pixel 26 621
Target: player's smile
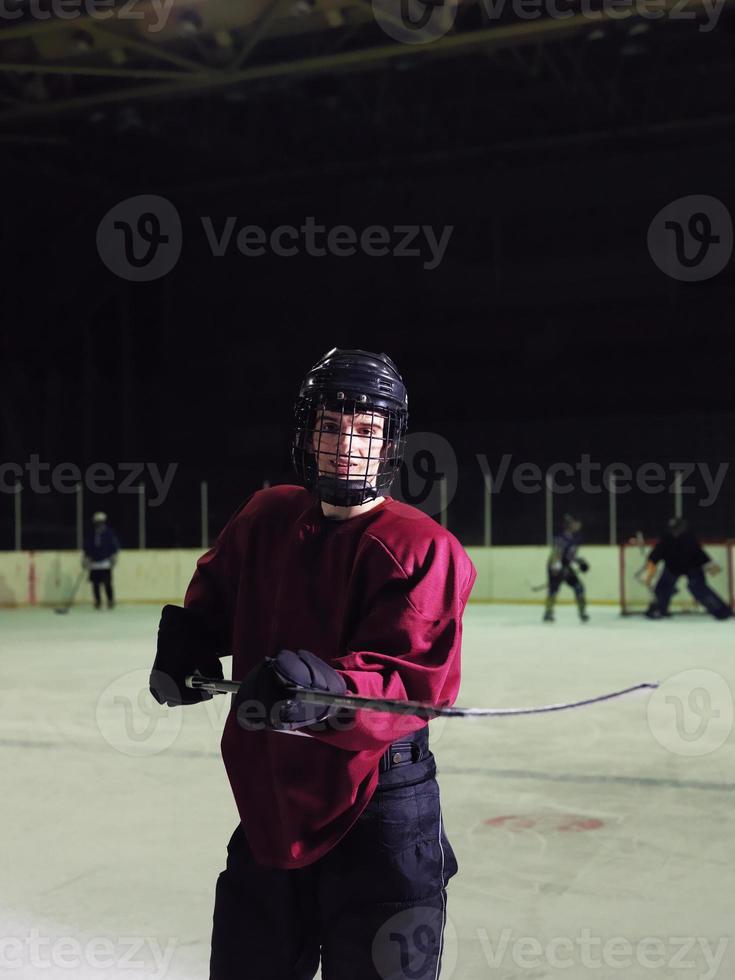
pixel 348 445
pixel 343 467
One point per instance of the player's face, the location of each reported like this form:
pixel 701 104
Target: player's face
pixel 349 446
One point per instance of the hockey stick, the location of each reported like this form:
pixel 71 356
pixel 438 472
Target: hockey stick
pixel 540 588
pixel 72 595
pixel 420 709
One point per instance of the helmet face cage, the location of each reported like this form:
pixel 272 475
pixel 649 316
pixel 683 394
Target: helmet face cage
pixel 346 448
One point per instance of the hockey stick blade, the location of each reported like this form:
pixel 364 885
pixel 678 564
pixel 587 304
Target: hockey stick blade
pixel 419 709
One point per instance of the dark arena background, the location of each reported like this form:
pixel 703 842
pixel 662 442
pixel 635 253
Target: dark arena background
pixel 528 204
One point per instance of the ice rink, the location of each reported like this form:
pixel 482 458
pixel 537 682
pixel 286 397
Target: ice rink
pixel 592 843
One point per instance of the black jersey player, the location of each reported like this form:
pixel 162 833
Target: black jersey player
pixel 682 554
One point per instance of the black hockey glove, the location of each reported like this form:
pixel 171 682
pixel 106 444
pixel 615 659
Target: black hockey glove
pixel 185 645
pixel 583 565
pixel 264 698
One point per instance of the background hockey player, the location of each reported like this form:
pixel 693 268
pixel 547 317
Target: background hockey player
pixel 340 851
pixel 682 554
pixel 560 568
pixel 101 547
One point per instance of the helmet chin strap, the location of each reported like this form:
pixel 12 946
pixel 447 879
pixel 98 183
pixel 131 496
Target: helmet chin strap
pixel 344 493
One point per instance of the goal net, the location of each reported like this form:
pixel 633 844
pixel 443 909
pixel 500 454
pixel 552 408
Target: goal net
pixel 635 596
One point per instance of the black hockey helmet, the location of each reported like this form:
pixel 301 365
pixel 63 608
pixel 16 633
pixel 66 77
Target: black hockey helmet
pixel 347 384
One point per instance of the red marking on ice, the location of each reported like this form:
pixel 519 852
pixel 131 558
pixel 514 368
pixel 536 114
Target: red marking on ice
pixel 545 822
pixel 512 822
pixel 582 823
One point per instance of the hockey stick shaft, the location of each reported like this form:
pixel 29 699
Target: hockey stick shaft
pixel 419 709
pixel 69 601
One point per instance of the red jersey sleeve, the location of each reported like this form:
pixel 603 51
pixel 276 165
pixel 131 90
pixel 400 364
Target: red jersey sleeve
pixel 407 641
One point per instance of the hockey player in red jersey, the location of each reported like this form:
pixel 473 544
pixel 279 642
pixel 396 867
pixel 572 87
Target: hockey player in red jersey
pixel 340 854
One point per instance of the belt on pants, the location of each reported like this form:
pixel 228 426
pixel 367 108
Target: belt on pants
pixel 406 751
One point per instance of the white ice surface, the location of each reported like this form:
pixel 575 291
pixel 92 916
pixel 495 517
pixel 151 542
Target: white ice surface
pixel 619 830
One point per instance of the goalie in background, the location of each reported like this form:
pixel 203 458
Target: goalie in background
pixel 560 568
pixel 682 554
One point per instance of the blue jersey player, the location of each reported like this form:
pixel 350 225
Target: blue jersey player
pixel 561 568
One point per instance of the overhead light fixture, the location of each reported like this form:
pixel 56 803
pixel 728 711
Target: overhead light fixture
pixel 597 34
pixel 639 28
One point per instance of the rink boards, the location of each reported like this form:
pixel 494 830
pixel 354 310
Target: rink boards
pixel 505 574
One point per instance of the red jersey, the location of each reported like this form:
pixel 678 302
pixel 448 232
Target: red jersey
pixel 380 597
